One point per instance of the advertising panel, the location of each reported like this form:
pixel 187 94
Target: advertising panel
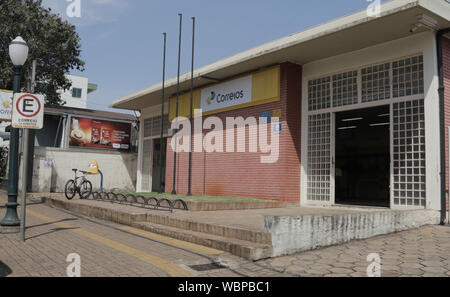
pixel 93 133
pixel 6 98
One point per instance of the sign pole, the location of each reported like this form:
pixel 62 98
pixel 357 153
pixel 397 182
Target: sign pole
pixel 26 133
pixel 24 184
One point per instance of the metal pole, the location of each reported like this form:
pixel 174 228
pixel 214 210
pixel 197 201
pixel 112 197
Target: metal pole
pixel 57 131
pixel 24 184
pixel 11 219
pixel 101 180
pixel 189 193
pixel 174 191
pixel 161 190
pixel 26 133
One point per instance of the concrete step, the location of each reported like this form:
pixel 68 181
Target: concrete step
pixel 245 249
pixel 213 229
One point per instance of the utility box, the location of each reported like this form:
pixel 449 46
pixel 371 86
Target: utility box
pixel 42 175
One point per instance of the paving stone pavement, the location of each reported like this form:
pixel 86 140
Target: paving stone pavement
pixel 105 250
pixel 420 252
pixel 414 253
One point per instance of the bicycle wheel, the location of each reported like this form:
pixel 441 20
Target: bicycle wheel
pixel 70 189
pixel 85 189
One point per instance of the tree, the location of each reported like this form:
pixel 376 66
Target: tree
pixel 53 43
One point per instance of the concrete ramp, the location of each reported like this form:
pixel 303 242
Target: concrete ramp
pixel 292 234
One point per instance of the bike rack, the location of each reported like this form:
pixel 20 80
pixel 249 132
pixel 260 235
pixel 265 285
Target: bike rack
pixel 153 203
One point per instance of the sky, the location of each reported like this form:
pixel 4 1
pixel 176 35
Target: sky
pixel 122 41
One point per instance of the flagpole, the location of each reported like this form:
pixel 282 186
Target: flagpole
pixel 174 192
pixel 161 190
pixel 189 193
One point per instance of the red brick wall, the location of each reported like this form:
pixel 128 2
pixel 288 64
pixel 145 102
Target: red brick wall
pixel 446 61
pixel 242 174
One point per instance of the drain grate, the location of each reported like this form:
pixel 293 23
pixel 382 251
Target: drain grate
pixel 207 267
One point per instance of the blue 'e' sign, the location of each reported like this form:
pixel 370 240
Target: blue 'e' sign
pixel 265 117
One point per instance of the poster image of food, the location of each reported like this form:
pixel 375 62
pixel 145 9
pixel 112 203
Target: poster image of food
pixel 92 133
pixel 6 105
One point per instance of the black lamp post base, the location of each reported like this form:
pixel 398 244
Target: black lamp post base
pixel 9 229
pixel 11 219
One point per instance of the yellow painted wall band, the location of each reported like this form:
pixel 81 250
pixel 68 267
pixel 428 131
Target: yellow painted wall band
pixel 265 89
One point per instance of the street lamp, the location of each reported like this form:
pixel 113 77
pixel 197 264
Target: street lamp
pixel 18 52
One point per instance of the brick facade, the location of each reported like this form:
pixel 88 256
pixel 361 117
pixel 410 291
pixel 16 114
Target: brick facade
pixel 446 62
pixel 242 174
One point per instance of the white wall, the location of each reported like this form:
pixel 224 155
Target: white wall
pixel 80 82
pixel 420 43
pixel 119 169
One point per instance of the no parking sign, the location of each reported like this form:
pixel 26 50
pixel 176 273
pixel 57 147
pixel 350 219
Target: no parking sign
pixel 28 111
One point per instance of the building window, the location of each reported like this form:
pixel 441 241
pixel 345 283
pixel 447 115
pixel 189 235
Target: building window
pixel 376 83
pixel 345 88
pixel 76 92
pixel 152 126
pixel 408 77
pixel 319 157
pixel 319 93
pixel 409 153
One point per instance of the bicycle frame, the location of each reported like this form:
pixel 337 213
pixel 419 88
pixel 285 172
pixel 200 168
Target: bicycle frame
pixel 79 180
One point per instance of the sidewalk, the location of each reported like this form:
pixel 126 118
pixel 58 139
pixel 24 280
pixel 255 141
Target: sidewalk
pixel 105 251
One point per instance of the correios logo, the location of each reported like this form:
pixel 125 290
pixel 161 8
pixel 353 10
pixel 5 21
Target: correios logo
pixel 210 98
pixel 221 98
pixel 227 94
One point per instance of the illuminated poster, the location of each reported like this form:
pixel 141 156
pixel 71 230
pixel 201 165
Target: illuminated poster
pixel 92 133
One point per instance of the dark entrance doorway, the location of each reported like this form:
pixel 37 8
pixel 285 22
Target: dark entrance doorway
pixel 362 158
pixel 158 181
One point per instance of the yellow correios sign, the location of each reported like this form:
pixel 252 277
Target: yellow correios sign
pixel 265 88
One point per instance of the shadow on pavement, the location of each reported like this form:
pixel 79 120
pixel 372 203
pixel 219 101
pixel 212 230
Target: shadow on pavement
pixel 51 231
pixel 4 270
pixel 51 223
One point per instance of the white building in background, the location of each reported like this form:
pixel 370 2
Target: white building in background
pixel 77 95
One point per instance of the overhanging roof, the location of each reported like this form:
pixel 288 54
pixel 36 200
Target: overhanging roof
pixel 346 34
pixel 99 114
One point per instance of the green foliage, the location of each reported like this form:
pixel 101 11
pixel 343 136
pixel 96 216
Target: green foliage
pixel 54 43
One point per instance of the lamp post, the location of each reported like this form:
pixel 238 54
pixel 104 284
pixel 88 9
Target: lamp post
pixel 18 52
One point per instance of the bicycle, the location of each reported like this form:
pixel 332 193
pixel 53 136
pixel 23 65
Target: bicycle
pixel 79 185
